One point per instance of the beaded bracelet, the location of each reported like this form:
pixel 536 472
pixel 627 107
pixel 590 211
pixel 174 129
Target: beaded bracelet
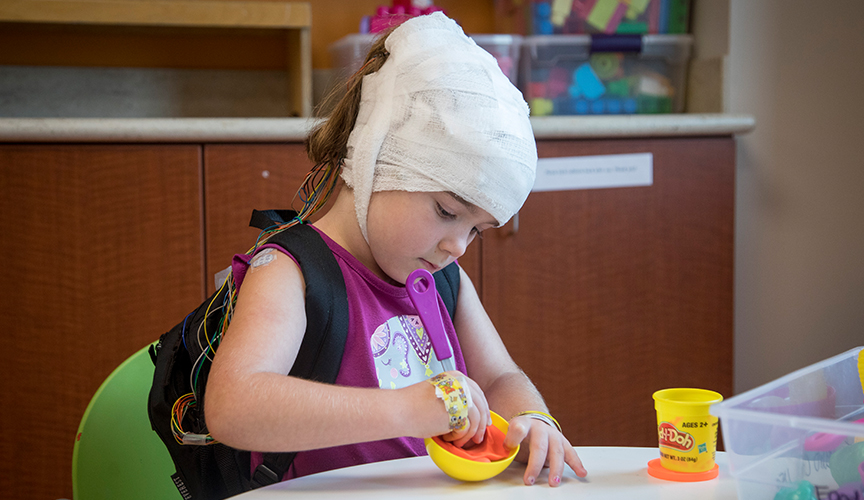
pixel 456 396
pixel 543 417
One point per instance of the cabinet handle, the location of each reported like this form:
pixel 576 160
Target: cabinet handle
pixel 514 225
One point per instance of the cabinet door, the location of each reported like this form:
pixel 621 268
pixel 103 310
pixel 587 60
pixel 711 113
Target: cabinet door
pixel 242 177
pixel 604 296
pixel 237 179
pixel 102 254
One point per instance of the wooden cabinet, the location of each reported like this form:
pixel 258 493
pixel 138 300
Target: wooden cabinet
pixel 102 252
pixel 605 295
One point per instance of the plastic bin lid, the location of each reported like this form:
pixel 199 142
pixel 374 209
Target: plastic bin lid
pixel 352 40
pixel 496 38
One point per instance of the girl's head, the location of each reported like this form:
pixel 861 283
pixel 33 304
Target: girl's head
pixel 430 111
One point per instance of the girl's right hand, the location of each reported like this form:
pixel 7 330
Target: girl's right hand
pixel 433 413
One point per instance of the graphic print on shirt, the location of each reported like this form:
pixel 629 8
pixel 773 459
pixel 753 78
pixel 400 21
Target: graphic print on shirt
pixel 402 352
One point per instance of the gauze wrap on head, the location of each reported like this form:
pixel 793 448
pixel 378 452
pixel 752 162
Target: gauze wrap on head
pixel 441 116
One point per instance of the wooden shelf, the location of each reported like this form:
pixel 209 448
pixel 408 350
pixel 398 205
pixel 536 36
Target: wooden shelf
pixel 159 13
pixel 176 33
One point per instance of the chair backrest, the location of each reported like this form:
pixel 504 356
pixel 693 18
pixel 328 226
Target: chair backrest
pixel 116 453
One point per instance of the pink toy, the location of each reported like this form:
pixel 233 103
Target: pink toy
pixel 612 27
pixel 401 10
pixel 537 89
pixel 559 80
pixel 583 7
pixel 823 441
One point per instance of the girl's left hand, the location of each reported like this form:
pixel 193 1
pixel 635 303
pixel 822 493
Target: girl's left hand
pixel 546 447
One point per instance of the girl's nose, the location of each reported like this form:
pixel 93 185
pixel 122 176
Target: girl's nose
pixel 455 245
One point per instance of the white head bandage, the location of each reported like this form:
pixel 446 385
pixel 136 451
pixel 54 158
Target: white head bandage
pixel 441 116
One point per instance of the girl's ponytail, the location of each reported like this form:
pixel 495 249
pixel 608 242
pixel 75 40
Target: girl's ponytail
pixel 328 142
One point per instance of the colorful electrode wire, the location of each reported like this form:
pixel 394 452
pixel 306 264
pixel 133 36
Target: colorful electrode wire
pixel 314 193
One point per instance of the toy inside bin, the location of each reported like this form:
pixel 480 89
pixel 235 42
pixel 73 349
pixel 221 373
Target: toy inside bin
pixel 800 433
pixel 600 75
pixel 609 16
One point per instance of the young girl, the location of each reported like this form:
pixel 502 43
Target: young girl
pixel 435 146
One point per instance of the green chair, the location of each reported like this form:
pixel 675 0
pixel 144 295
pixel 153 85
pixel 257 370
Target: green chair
pixel 117 454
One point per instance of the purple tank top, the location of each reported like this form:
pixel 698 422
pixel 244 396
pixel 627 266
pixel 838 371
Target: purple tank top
pixel 386 348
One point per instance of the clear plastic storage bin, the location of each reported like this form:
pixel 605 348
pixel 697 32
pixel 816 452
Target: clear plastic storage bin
pixel 800 436
pixel 598 75
pixel 505 49
pixel 348 52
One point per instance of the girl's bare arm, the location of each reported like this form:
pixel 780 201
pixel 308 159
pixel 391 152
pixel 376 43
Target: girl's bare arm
pixel 251 403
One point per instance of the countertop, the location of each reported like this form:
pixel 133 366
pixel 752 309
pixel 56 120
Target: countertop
pixel 614 473
pixel 180 130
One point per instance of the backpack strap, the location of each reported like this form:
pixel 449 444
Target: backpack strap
pixel 264 219
pixel 320 356
pixel 447 283
pixel 231 472
pixel 323 344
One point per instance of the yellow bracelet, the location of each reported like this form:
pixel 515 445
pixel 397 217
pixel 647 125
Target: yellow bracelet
pixel 544 417
pixel 457 399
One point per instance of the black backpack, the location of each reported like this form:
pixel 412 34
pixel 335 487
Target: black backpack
pixel 217 471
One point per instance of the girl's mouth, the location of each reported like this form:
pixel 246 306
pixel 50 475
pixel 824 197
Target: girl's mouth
pixel 429 266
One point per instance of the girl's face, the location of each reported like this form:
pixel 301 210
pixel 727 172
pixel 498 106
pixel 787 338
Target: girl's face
pixel 409 230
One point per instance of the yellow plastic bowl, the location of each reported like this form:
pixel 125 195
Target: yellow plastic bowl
pixel 469 470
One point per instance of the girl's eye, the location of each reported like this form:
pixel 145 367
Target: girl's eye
pixel 444 213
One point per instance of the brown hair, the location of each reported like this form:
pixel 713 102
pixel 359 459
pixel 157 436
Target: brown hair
pixel 328 142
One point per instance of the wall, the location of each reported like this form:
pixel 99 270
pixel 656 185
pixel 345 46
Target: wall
pixel 797 66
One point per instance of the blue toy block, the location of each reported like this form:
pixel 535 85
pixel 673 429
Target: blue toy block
pixel 598 107
pixel 589 84
pixel 543 27
pixel 630 106
pixel 613 106
pixel 542 22
pixel 542 9
pixel 581 107
pixel 540 75
pixel 562 106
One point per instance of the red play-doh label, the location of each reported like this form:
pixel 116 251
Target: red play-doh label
pixel 671 437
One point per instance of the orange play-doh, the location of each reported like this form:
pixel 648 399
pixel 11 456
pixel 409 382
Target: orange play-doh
pixel 466 469
pixel 490 450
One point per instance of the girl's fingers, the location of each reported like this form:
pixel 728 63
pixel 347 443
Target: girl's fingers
pixel 516 433
pixel 478 416
pixel 547 447
pixel 555 460
pixel 572 459
pixel 536 459
pixel 471 430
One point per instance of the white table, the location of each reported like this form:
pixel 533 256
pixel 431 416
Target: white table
pixel 613 473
